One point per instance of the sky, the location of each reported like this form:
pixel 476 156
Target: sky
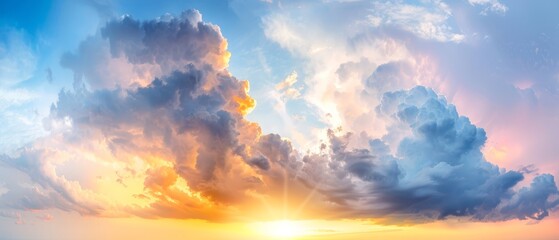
pixel 270 119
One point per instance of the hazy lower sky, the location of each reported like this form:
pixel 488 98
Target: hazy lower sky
pixel 269 119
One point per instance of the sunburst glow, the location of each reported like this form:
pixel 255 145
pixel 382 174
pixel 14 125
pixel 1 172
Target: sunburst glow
pixel 282 229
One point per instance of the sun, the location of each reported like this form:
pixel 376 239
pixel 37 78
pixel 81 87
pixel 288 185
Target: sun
pixel 281 229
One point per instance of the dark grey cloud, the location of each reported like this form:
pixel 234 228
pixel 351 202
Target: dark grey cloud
pixel 534 201
pixel 167 42
pixel 260 162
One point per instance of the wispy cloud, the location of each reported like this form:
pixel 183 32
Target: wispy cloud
pixel 490 5
pixel 427 21
pixel 17 58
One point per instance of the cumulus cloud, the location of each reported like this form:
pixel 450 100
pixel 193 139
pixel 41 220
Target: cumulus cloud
pixel 175 142
pixel 178 146
pixel 92 64
pixel 534 201
pixel 439 157
pixel 192 41
pixel 338 64
pixel 391 76
pixel 360 66
pixel 130 53
pixel 428 166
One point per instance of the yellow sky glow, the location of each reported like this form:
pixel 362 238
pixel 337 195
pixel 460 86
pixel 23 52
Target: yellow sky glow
pixel 136 228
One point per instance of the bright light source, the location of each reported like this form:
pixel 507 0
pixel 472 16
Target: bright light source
pixel 283 229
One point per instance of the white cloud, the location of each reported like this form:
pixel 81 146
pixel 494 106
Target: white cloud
pixel 17 58
pixel 14 97
pixel 286 89
pixel 339 55
pixel 490 5
pixel 428 22
pixel 287 82
pixel 281 28
pixel 20 123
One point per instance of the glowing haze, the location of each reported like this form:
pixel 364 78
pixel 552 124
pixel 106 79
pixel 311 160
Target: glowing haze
pixel 352 129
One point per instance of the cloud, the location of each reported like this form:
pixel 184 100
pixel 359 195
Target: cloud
pixel 129 52
pixel 532 202
pixel 196 130
pixel 14 215
pixel 17 58
pixel 177 146
pixel 440 156
pixel 167 137
pixel 49 190
pixel 193 41
pixel 287 82
pixel 337 64
pixel 428 22
pixel 391 76
pixel 428 166
pixel 92 64
pixel 490 5
pixel 504 85
pixel 351 68
pixel 285 87
pixel 20 123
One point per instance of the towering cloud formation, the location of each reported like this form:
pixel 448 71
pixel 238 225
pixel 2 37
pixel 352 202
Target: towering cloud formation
pixel 178 145
pixel 429 166
pixel 183 135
